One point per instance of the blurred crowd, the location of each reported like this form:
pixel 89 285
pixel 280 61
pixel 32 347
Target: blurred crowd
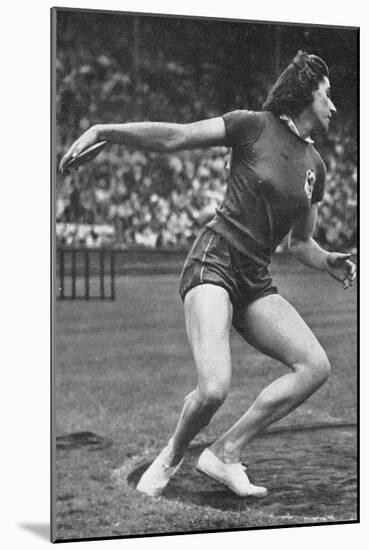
pixel 154 200
pixel 149 199
pixel 337 222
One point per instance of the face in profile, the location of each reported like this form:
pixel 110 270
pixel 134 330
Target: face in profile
pixel 322 107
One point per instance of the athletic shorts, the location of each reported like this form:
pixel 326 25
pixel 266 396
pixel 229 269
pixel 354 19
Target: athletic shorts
pixel 213 260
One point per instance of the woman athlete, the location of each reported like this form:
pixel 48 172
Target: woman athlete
pixel 276 182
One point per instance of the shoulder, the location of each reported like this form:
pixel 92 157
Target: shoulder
pixel 243 126
pixel 244 116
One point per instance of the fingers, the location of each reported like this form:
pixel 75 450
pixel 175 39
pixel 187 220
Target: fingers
pixel 62 163
pixel 351 275
pixel 341 268
pixel 336 259
pixel 65 159
pixel 352 272
pixel 341 258
pixel 72 152
pixel 85 140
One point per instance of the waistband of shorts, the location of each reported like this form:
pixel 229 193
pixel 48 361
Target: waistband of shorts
pixel 261 258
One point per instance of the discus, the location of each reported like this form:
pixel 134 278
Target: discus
pixel 85 156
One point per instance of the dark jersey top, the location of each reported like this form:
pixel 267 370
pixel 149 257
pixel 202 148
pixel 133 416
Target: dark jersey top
pixel 275 176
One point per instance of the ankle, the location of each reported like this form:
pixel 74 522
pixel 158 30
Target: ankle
pixel 174 455
pixel 226 453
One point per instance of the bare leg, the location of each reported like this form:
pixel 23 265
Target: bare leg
pixel 274 327
pixel 208 313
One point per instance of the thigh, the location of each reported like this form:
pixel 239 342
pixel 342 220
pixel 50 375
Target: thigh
pixel 273 326
pixel 208 314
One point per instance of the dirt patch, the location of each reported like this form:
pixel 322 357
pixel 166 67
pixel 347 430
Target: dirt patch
pixel 82 439
pixel 308 473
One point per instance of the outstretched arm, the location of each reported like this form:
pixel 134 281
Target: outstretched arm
pixel 152 136
pixel 305 249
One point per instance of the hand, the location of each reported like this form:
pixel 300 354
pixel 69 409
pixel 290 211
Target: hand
pixel 88 138
pixel 341 268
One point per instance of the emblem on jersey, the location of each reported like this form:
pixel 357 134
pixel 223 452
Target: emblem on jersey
pixel 310 179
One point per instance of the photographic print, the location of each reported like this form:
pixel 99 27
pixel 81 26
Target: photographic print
pixel 204 371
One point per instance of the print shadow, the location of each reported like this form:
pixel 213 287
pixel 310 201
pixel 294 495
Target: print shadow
pixel 42 530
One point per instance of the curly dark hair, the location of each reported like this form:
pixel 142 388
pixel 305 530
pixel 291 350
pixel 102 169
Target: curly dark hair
pixel 293 90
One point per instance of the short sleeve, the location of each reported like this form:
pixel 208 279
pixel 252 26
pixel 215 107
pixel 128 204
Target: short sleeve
pixel 242 127
pixel 318 190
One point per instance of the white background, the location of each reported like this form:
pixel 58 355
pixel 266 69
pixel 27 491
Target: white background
pixel 25 261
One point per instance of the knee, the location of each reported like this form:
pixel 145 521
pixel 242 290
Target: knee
pixel 322 368
pixel 318 368
pixel 213 394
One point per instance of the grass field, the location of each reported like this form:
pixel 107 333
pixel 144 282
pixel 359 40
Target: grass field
pixel 121 371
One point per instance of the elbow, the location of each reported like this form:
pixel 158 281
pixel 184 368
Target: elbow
pixel 166 138
pixel 179 139
pixel 167 145
pixel 162 138
pixel 295 245
pixel 291 245
pixel 174 143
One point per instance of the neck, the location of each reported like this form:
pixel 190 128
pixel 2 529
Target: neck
pixel 303 124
